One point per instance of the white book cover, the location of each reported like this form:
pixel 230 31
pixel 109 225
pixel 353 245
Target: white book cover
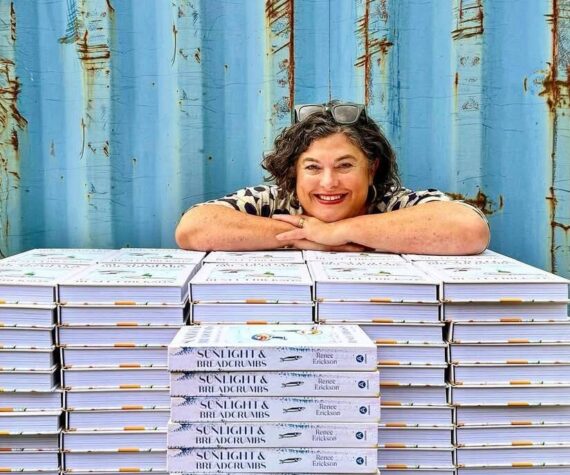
pixel 411 415
pixel 33 283
pixel 399 393
pixel 371 311
pixel 20 460
pixel 486 255
pixel 25 420
pixel 520 392
pixel 252 281
pixel 97 439
pixel 495 280
pixel 510 331
pixel 27 357
pixel 512 353
pixel 382 281
pixel 29 379
pixel 26 400
pixel 400 457
pixel 129 283
pixel 29 440
pixel 516 372
pixel 271 347
pixel 271 435
pixel 276 383
pixel 247 312
pixel 331 256
pixel 523 455
pixel 29 315
pixel 295 460
pixel 280 255
pixel 104 356
pixel 275 409
pixel 164 314
pixel 515 414
pixel 126 397
pixel 27 336
pixel 511 434
pixel 133 459
pixel 154 256
pixel 62 256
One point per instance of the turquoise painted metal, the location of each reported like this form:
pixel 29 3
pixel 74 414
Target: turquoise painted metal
pixel 116 116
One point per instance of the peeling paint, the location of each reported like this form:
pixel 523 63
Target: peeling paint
pixel 175 39
pixel 12 22
pixel 197 56
pixel 481 201
pixel 469 19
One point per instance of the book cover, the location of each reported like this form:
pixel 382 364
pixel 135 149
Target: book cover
pixel 280 255
pixel 154 256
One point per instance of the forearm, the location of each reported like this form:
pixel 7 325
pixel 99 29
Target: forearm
pixel 214 227
pixel 441 227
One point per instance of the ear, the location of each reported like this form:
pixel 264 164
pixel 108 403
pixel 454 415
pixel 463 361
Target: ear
pixel 373 170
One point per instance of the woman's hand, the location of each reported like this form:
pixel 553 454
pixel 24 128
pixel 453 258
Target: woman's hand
pixel 314 234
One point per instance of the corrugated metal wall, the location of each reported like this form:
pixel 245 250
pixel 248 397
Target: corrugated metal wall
pixel 115 116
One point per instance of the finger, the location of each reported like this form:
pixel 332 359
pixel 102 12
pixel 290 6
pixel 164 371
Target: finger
pixel 349 248
pixel 287 218
pixel 294 235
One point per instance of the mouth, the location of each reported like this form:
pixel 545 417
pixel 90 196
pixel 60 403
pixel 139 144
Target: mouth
pixel 329 198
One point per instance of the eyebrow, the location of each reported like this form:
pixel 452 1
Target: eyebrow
pixel 338 159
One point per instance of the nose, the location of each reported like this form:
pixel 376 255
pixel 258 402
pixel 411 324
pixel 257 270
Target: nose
pixel 329 178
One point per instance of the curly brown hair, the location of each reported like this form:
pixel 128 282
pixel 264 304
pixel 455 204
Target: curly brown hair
pixel 296 139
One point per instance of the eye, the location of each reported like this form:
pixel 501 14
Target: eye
pixel 311 168
pixel 346 165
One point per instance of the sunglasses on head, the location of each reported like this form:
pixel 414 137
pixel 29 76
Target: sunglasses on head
pixel 342 112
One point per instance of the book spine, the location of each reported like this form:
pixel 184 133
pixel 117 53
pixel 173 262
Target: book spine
pixel 267 435
pixel 347 384
pixel 202 461
pixel 274 409
pixel 274 359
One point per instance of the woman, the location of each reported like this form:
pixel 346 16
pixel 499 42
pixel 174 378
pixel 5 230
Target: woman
pixel 336 188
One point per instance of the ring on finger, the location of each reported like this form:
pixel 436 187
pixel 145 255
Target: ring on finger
pixel 301 223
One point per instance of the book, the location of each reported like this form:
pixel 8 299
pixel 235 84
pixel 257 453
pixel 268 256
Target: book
pixel 122 397
pixel 61 256
pixel 17 357
pixel 509 434
pixel 523 455
pixel 382 282
pixel 133 255
pixel 275 409
pixel 495 280
pixel 369 312
pixel 30 379
pixel 29 440
pixel 122 335
pixel 102 356
pixel 27 336
pixel 275 383
pixel 22 399
pixel 510 331
pixel 411 393
pixel 279 255
pixel 486 254
pixel 253 311
pixel 516 469
pixel 331 256
pixel 165 314
pixel 252 281
pixel 411 373
pixel 417 415
pixel 433 457
pixel 23 460
pixel 516 393
pixel 238 460
pixel 32 283
pixel 514 372
pixel 515 414
pixel 24 420
pixel 96 439
pixel 89 377
pixel 395 434
pixel 493 311
pixel 129 418
pixel 128 283
pixel 427 353
pixel 271 347
pixel 27 315
pixel 509 352
pixel 131 459
pixel 271 434
pixel 391 332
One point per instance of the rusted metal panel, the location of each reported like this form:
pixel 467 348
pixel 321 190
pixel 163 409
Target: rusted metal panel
pixel 116 116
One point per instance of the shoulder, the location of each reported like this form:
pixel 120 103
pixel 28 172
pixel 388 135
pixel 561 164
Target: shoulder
pixel 397 198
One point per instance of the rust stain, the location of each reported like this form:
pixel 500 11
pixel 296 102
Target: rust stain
pixel 372 47
pixel 470 18
pixel 110 7
pixel 175 35
pixel 382 10
pixel 9 92
pixel 280 15
pixel 481 201
pixel 197 55
pixel 15 175
pixel 14 141
pixel 12 22
pixel 93 55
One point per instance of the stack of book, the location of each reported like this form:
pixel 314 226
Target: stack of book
pixel 115 322
pixel 268 287
pixel 30 393
pixel 510 364
pixel 273 399
pixel 396 304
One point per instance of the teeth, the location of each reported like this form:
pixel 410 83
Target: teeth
pixel 330 197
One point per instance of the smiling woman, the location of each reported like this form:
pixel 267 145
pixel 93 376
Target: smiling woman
pixel 336 187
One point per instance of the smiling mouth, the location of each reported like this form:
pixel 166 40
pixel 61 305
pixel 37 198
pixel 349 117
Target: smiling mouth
pixel 330 199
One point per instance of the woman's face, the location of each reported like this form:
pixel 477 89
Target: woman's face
pixel 333 176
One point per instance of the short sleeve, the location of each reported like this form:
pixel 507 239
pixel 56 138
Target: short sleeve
pixel 405 198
